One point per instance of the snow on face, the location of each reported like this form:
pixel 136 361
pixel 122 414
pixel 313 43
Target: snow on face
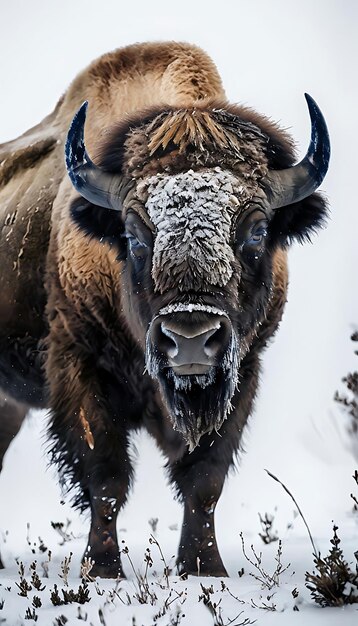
pixel 192 213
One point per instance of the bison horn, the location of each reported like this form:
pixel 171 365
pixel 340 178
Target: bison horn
pixel 93 183
pixel 295 183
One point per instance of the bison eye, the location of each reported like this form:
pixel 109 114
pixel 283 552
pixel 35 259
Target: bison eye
pixel 257 236
pixel 136 248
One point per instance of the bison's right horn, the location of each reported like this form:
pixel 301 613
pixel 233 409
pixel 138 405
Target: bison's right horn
pixel 94 184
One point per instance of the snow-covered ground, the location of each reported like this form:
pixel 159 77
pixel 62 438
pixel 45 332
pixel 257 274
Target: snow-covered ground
pixel 268 54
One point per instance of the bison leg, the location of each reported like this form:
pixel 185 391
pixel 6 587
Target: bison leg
pixel 102 547
pixel 199 478
pixel 12 415
pixel 199 482
pixel 95 460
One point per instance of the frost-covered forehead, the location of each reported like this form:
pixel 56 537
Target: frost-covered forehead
pixel 193 215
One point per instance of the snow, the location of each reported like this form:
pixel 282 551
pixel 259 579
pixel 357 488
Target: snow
pixel 38 504
pixel 268 54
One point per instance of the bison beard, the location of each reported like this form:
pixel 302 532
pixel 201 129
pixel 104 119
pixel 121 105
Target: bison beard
pixel 197 404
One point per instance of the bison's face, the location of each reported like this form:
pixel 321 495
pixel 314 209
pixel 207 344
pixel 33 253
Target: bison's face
pixel 197 280
pixel 197 246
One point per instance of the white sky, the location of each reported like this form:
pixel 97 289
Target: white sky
pixel 268 53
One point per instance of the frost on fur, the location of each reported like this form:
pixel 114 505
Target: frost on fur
pixel 192 213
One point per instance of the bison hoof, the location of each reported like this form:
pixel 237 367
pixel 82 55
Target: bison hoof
pixel 1 564
pixel 107 571
pixel 209 569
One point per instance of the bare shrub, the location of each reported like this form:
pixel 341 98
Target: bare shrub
pixel 349 402
pixel 267 581
pixel 334 583
pixel 267 534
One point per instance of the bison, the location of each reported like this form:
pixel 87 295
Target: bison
pixel 143 294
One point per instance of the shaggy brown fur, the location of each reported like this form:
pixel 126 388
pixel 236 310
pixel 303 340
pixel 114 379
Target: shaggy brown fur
pixel 73 319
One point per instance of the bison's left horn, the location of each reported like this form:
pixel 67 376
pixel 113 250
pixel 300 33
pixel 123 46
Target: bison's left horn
pixel 295 183
pixel 94 184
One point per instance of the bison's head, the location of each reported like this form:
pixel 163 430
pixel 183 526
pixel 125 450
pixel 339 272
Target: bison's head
pixel 197 202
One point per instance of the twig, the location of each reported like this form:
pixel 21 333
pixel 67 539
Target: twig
pixel 315 552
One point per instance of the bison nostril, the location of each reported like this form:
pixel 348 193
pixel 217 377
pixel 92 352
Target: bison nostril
pixel 215 341
pixel 218 339
pixel 166 342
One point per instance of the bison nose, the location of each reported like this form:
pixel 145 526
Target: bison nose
pixel 192 346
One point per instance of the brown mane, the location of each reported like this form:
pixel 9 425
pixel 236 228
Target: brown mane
pixel 196 128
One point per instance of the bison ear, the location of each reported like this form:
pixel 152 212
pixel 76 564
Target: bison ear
pixel 299 221
pixel 97 222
